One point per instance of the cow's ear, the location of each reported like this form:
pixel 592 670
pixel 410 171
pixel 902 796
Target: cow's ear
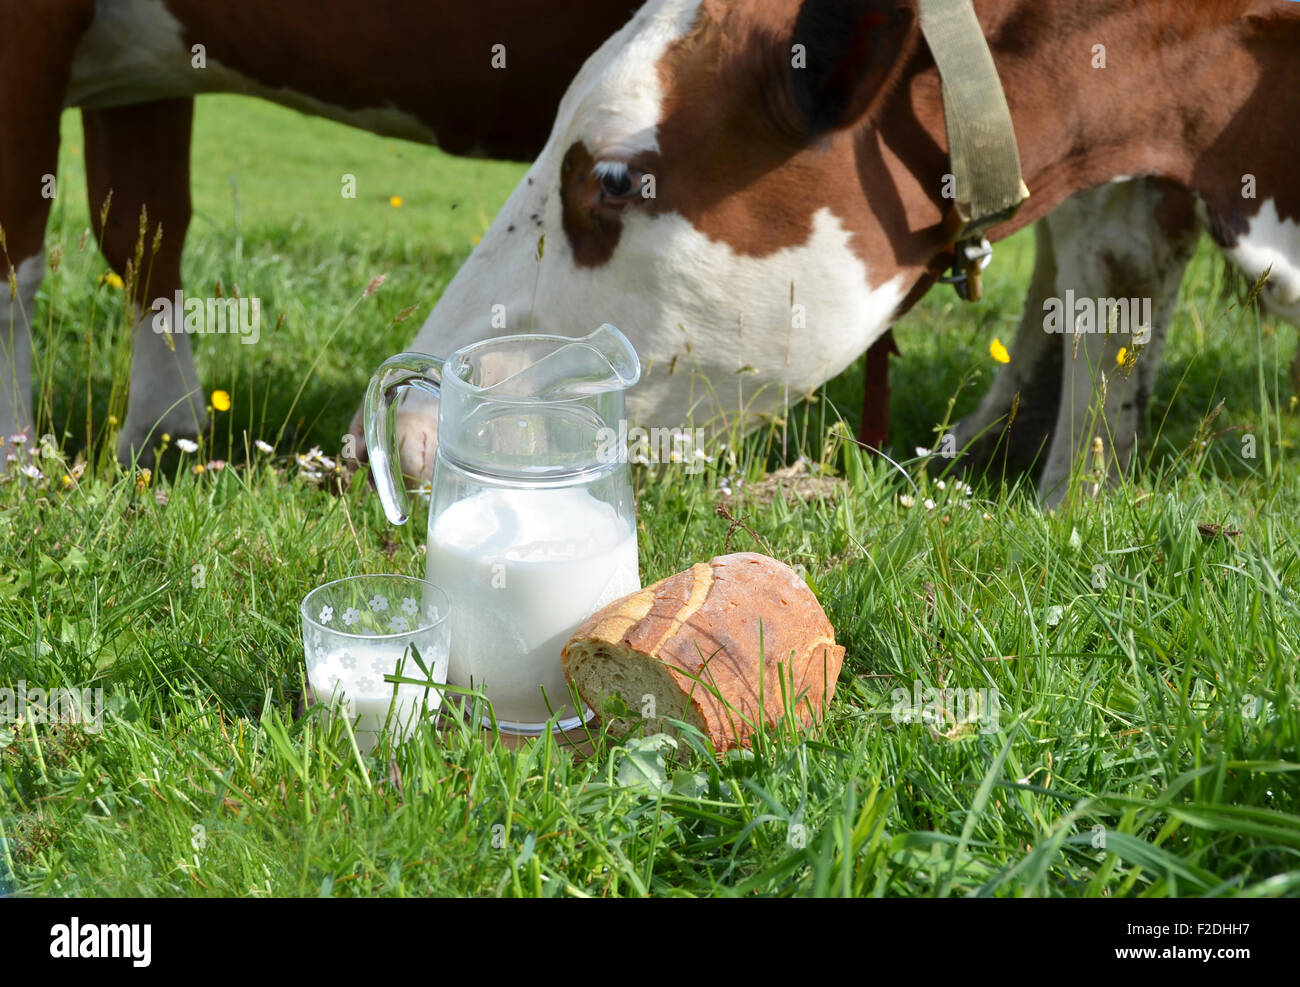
pixel 843 54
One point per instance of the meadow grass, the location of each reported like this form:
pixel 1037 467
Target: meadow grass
pixel 1144 666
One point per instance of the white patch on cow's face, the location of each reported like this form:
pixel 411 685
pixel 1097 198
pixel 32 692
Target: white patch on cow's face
pixel 715 330
pixel 135 52
pixel 1272 242
pixel 619 98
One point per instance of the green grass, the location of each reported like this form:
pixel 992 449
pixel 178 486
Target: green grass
pixel 1148 717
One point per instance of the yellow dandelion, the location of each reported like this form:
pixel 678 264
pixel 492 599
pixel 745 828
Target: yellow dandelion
pixel 142 480
pixel 999 352
pixel 395 201
pixel 1121 355
pixel 67 480
pixel 199 468
pixel 221 400
pixel 112 279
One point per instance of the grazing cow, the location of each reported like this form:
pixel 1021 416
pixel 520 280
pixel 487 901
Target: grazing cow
pixel 754 224
pixel 476 78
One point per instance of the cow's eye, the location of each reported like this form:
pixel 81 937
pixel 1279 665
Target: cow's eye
pixel 618 181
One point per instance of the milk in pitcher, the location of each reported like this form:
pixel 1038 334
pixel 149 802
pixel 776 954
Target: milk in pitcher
pixel 523 569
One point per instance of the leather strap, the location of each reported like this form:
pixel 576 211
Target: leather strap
pixel 981 138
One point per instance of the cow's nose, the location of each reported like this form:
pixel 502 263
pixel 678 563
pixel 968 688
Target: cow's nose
pixel 416 438
pixel 356 440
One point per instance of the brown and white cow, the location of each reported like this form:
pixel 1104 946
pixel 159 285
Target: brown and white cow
pixel 475 78
pixel 798 211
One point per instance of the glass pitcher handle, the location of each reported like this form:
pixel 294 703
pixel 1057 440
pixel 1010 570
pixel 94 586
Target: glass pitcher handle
pixel 404 370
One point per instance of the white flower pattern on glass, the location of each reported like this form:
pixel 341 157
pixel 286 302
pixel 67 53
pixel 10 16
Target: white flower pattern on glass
pixel 409 606
pixel 378 603
pixel 398 625
pixel 350 616
pixel 347 661
pixel 326 614
pixel 368 685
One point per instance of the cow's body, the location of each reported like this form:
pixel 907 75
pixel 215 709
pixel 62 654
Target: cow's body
pixel 825 188
pixel 430 73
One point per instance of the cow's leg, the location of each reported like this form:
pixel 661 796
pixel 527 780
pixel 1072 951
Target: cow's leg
pixel 36 47
pixel 1033 377
pixel 1271 243
pixel 1128 241
pixel 873 432
pixel 141 153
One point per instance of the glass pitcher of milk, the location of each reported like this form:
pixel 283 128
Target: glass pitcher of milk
pixel 532 524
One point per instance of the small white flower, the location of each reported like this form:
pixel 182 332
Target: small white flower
pixel 326 614
pixel 922 451
pixel 986 516
pixel 929 504
pixel 399 625
pixel 31 472
pixel 185 445
pixel 264 447
pixel 964 505
pixel 942 485
pixel 350 615
pixel 907 500
pixel 19 438
pixel 967 489
pixel 700 454
pixel 378 603
pixel 409 606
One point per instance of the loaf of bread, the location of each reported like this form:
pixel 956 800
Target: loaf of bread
pixel 703 645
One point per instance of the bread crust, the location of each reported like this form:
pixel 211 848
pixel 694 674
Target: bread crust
pixel 725 631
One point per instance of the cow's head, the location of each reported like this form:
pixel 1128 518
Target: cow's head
pixel 710 187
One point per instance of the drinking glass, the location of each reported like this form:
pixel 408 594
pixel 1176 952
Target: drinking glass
pixel 359 629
